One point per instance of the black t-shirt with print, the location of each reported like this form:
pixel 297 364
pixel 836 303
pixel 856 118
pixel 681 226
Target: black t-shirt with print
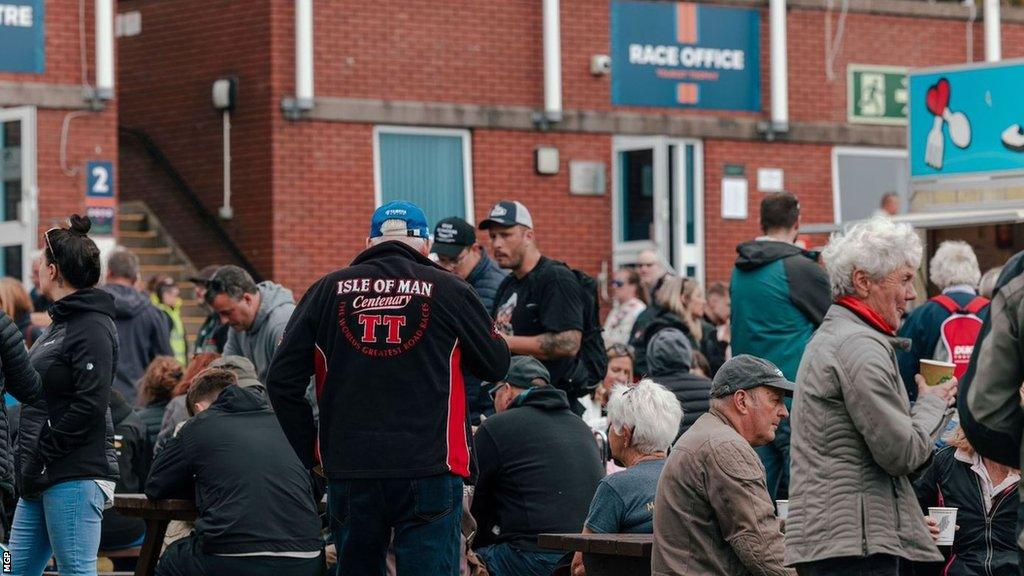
pixel 547 299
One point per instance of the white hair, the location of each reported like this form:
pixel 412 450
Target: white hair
pixel 394 230
pixel 954 263
pixel 650 410
pixel 987 284
pixel 878 247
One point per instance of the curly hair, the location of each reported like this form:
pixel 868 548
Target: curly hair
pixel 197 364
pixel 158 383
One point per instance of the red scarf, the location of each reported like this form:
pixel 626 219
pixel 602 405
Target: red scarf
pixel 874 319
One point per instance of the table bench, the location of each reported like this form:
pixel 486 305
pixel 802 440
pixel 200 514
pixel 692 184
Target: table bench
pixel 606 554
pixel 157 514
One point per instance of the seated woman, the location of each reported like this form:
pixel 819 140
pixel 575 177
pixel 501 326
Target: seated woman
pixel 985 495
pixel 620 371
pixel 643 421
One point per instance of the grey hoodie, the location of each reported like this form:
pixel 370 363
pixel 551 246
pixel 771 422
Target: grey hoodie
pixel 259 342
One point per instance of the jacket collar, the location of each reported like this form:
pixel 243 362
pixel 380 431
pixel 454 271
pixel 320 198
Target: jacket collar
pixel 837 312
pixel 393 248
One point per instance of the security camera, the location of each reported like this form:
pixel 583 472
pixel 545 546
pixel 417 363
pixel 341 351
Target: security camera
pixel 600 64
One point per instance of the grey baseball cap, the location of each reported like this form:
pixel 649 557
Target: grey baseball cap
pixel 745 372
pixel 243 369
pixel 522 371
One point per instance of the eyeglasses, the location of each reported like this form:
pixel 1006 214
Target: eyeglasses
pixel 494 391
pixel 617 283
pixel 46 238
pixel 645 264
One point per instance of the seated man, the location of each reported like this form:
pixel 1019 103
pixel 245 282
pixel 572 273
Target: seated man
pixel 538 470
pixel 257 515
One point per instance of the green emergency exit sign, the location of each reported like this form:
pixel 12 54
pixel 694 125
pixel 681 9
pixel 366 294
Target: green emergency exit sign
pixel 876 94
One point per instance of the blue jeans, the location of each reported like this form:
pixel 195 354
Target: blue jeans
pixel 425 514
pixel 505 560
pixel 65 522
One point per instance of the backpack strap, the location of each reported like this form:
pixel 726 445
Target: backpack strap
pixel 946 302
pixel 975 306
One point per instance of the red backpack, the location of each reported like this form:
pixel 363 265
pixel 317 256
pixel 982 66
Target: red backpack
pixel 959 332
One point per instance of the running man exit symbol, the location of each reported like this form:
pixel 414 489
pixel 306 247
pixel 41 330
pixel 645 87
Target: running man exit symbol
pixel 876 94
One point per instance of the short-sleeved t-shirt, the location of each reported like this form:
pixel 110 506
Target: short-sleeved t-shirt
pixel 547 299
pixel 624 501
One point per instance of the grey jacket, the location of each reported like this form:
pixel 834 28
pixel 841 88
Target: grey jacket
pixel 855 441
pixel 259 342
pixel 712 512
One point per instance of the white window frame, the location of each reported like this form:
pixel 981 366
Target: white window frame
pixel 25 229
pixel 467 159
pixel 837 151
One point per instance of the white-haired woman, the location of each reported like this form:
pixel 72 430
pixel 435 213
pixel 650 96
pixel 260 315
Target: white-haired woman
pixel 855 436
pixel 954 270
pixel 642 423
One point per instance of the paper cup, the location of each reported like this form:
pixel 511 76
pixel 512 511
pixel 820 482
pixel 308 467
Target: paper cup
pixel 946 517
pixel 782 509
pixel 935 372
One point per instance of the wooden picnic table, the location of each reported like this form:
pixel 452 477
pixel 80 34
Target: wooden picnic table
pixel 157 515
pixel 606 554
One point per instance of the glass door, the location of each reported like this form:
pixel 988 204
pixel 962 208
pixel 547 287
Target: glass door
pixel 658 202
pixel 18 215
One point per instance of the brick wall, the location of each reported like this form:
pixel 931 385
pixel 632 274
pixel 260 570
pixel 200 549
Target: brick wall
pixel 304 190
pixel 91 136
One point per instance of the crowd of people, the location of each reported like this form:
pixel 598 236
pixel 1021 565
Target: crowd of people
pixel 452 399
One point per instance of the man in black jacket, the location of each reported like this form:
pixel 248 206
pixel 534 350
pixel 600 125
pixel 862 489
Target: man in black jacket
pixel 143 332
pixel 119 532
pixel 458 252
pixel 669 359
pixel 387 339
pixel 539 469
pixel 257 515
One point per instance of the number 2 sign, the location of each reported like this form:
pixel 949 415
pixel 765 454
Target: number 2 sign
pixel 99 179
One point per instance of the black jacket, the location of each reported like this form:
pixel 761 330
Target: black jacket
pixel 18 378
pixel 69 434
pixel 667 357
pixel 133 463
pixel 152 417
pixel 651 321
pixel 539 469
pixel 986 543
pixel 387 339
pixel 252 493
pixel 143 334
pixel 485 278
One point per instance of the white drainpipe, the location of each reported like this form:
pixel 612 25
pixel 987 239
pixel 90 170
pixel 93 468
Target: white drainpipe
pixel 993 44
pixel 780 67
pixel 304 54
pixel 104 49
pixel 552 62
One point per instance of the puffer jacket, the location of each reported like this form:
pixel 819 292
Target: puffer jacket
pixel 69 433
pixel 669 359
pixel 485 278
pixel 855 442
pixel 18 378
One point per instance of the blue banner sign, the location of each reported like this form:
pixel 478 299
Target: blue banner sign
pixel 22 37
pixel 967 120
pixel 685 55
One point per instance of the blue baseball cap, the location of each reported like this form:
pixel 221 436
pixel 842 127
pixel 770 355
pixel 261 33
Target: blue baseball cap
pixel 415 220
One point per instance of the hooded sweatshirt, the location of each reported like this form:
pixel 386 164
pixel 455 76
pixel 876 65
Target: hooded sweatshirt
pixel 779 296
pixel 259 342
pixel 538 470
pixel 668 359
pixel 133 462
pixel 143 333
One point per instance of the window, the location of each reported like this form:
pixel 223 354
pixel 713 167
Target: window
pixel 18 215
pixel 429 167
pixel 861 176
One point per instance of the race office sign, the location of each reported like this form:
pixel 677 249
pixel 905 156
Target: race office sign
pixel 685 55
pixel 22 38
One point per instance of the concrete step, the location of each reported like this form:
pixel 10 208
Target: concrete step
pixel 133 239
pixel 176 271
pixel 132 222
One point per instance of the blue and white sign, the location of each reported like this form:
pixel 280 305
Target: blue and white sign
pixel 685 55
pixel 99 179
pixel 22 36
pixel 967 120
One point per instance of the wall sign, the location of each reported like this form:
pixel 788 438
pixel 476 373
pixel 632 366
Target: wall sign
pixel 967 120
pixel 685 55
pixel 99 179
pixel 877 94
pixel 22 37
pixel 100 204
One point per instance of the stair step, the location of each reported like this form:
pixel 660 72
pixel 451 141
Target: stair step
pixel 152 250
pixel 147 271
pixel 138 234
pixel 132 222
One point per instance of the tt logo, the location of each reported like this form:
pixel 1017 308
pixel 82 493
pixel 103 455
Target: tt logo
pixel 370 323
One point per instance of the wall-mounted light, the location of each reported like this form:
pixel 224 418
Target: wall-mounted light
pixel 224 96
pixel 546 160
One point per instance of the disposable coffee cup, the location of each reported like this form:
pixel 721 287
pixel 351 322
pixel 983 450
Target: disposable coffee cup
pixel 946 517
pixel 935 372
pixel 782 509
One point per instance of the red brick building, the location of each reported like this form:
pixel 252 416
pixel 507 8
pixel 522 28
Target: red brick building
pixel 51 125
pixel 429 91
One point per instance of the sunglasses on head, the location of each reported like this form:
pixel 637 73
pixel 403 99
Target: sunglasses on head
pixel 620 350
